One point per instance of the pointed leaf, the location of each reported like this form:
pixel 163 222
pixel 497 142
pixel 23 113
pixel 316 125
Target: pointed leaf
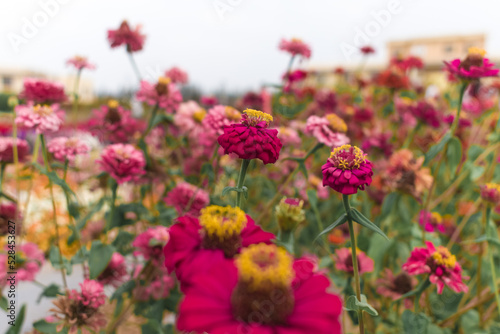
pixel 341 220
pixel 353 304
pixel 435 149
pixel 100 255
pixel 363 221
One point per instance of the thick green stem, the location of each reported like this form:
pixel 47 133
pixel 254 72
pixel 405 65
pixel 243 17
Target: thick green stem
pixel 114 190
pixel 454 126
pixel 241 180
pixel 355 268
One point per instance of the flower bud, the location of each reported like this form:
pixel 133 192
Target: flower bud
pixel 289 213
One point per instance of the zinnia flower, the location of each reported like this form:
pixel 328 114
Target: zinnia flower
pixel 343 261
pixel 252 139
pixel 133 39
pixel 209 101
pixel 242 297
pixel 189 118
pixel 295 47
pixel 347 170
pixel 80 63
pixel 42 118
pixel 325 100
pixel 431 221
pixel 426 113
pixel 67 148
pixel 187 199
pixel 29 261
pixel 366 50
pixel 289 213
pixel 219 117
pixel 115 273
pixel 177 75
pixel 490 192
pixel 328 130
pixel 123 162
pixel 9 212
pixel 158 287
pixel 394 286
pixel 197 244
pixel 7 149
pixel 441 266
pixel 150 244
pixel 473 67
pixel 42 91
pixel 164 93
pixel 393 78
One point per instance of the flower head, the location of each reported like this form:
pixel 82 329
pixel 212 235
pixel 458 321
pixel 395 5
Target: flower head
pixel 441 266
pixel 164 93
pixel 177 75
pixel 490 192
pixel 473 67
pixel 219 117
pixel 426 113
pixel 289 213
pixel 116 271
pixel 29 261
pixel 252 139
pixel 80 63
pixel 7 149
pixel 347 170
pixel 366 50
pixel 42 91
pixel 431 221
pixel 9 212
pixel 123 162
pixel 394 286
pixel 42 118
pixel 209 101
pixel 150 244
pixel 124 35
pixel 67 148
pixel 187 199
pixel 343 261
pixel 328 130
pixel 295 47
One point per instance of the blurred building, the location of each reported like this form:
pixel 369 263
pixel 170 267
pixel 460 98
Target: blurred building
pixel 11 82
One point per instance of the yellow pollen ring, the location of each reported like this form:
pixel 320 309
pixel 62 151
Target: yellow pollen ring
pixel 443 257
pixel 232 113
pixel 164 80
pixel 491 186
pixel 337 123
pixel 113 104
pixel 223 222
pixel 476 51
pixel 436 217
pixel 199 115
pixel 265 264
pixel 42 110
pixel 258 115
pixel 359 156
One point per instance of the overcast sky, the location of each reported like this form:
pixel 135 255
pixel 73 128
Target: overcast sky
pixel 234 47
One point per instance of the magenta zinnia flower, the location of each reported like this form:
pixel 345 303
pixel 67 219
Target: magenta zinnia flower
pixel 150 244
pixel 490 192
pixel 330 132
pixel 347 170
pixel 43 119
pixel 343 261
pixel 366 50
pixel 197 244
pixel 185 194
pixel 295 47
pixel 252 139
pixel 42 91
pixel 426 113
pixel 133 39
pixel 209 101
pixel 177 75
pixel 123 162
pixel 80 63
pixel 441 266
pixel 7 149
pixel 431 221
pixel 67 148
pixel 165 94
pixel 230 298
pixel 115 273
pixel 473 67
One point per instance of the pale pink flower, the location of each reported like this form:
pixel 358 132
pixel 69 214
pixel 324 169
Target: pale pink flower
pixel 321 129
pixel 177 75
pixel 150 243
pixel 289 137
pixel 164 93
pixel 67 148
pixel 158 288
pixel 123 162
pixel 29 261
pixel 295 47
pixel 80 63
pixel 43 119
pixel 187 199
pixel 189 118
pixel 220 116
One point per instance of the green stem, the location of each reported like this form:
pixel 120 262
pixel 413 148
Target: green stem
pixel 151 121
pixel 411 135
pixel 134 66
pixel 313 150
pixel 454 126
pixel 2 171
pixel 114 190
pixel 241 180
pixel 347 207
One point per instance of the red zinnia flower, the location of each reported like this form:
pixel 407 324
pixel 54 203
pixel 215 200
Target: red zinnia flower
pixel 473 67
pixel 490 192
pixel 347 170
pixel 366 50
pixel 393 78
pixel 133 39
pixel 442 267
pixel 252 139
pixel 426 113
pixel 196 244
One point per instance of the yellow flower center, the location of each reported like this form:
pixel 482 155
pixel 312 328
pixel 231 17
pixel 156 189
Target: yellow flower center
pixel 337 123
pixel 164 80
pixel 443 257
pixel 347 157
pixel 257 116
pixel 477 51
pixel 199 115
pixel 493 186
pixel 296 40
pixel 265 264
pixel 44 110
pixel 233 114
pixel 113 104
pixel 222 222
pixel 436 218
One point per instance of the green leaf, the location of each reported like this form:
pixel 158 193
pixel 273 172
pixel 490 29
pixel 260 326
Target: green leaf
pixel 3 303
pixel 363 221
pixel 388 204
pixel 50 291
pixel 126 287
pixel 57 263
pixel 414 323
pixel 286 240
pixel 208 170
pixel 243 190
pixel 80 224
pixel 388 109
pixel 16 329
pixel 353 304
pixel 435 149
pixel 47 328
pixel 123 241
pixel 100 255
pixel 341 220
pixel 454 154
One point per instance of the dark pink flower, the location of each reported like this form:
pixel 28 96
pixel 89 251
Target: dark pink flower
pixel 219 117
pixel 426 113
pixel 9 212
pixel 347 170
pixel 165 94
pixel 431 221
pixel 150 244
pixel 80 63
pixel 187 199
pixel 343 261
pixel 115 273
pixel 177 75
pixel 490 192
pixel 473 67
pixel 7 149
pixel 252 139
pixel 366 50
pixel 295 47
pixel 363 115
pixel 43 119
pixel 64 148
pixel 407 63
pixel 209 101
pixel 441 266
pixel 242 297
pixel 326 100
pixel 123 162
pixel 42 91
pixel 133 39
pixel 394 286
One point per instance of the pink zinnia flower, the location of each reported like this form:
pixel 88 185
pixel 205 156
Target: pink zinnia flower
pixel 165 94
pixel 347 170
pixel 91 295
pixel 187 199
pixel 426 113
pixel 209 101
pixel 80 63
pixel 189 118
pixel 177 75
pixel 473 67
pixel 219 117
pixel 67 148
pixel 295 47
pixel 343 261
pixel 29 261
pixel 325 100
pixel 431 221
pixel 441 266
pixel 150 244
pixel 42 91
pixel 252 139
pixel 133 39
pixel 197 244
pixel 394 286
pixel 123 162
pixel 490 192
pixel 363 114
pixel 289 137
pixel 7 149
pixel 330 133
pixel 235 293
pixel 43 119
pixel 407 63
pixel 116 271
pixel 366 50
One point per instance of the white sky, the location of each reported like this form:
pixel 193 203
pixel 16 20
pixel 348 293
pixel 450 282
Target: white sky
pixel 236 51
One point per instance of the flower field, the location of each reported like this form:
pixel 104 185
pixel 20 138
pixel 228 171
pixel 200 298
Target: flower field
pixel 365 206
